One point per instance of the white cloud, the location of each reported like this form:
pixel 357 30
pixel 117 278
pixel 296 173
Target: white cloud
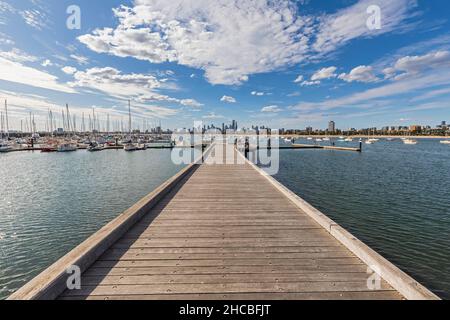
pixel 18 55
pixel 299 79
pixel 46 63
pixel 325 73
pixel 228 99
pixel 412 65
pixel 191 103
pixel 80 59
pixel 113 82
pixel 34 18
pixel 69 70
pixel 372 96
pixel 212 116
pixel 337 29
pixel 17 72
pixel 309 83
pixel 359 74
pixel 230 40
pixel 271 109
pixel 258 94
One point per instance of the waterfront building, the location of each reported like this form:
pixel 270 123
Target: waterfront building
pixel 332 127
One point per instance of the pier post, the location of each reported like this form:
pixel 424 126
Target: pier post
pixel 247 147
pixel 360 146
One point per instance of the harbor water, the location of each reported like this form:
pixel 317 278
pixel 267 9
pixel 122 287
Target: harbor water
pixel 394 197
pixel 50 203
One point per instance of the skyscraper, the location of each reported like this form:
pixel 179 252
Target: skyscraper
pixel 332 127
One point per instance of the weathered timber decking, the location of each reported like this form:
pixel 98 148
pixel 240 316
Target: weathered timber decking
pixel 227 232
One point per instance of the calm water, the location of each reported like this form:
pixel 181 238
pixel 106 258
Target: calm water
pixel 50 203
pixel 394 197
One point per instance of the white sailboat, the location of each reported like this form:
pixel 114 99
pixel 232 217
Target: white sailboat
pixel 129 146
pixel 410 141
pixel 4 144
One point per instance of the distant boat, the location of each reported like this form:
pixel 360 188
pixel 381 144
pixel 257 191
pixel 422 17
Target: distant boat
pixel 94 147
pixel 66 147
pixel 129 147
pixel 5 147
pixel 445 141
pixel 326 139
pixel 141 147
pixel 410 141
pixel 48 149
pixel 371 141
pixel 348 139
pixel 319 140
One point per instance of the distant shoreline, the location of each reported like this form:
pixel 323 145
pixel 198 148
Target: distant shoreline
pixel 363 136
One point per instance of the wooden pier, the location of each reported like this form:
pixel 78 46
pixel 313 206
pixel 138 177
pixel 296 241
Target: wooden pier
pixel 224 231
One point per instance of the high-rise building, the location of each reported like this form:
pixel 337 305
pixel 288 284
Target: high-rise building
pixel 332 127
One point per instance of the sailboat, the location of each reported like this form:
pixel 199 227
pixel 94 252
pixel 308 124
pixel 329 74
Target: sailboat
pixel 371 140
pixel 129 146
pixel 4 145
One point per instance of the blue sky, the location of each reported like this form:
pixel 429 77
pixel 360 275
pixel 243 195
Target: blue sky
pixel 286 64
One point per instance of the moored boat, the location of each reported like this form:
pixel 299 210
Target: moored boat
pixel 5 147
pixel 66 147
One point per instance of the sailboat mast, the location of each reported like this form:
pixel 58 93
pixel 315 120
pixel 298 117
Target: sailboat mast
pixel 129 115
pixel 7 122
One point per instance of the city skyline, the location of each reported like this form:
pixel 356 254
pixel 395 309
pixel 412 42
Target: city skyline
pixel 297 64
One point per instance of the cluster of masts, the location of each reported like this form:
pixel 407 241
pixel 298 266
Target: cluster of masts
pixel 68 123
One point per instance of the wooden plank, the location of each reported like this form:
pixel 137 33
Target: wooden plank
pixel 360 295
pixel 139 289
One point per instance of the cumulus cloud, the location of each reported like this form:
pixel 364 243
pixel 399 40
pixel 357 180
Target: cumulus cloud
pixel 325 73
pixel 191 103
pixel 111 81
pixel 230 39
pixel 359 74
pixel 271 109
pixel 69 70
pixel 413 65
pixel 228 99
